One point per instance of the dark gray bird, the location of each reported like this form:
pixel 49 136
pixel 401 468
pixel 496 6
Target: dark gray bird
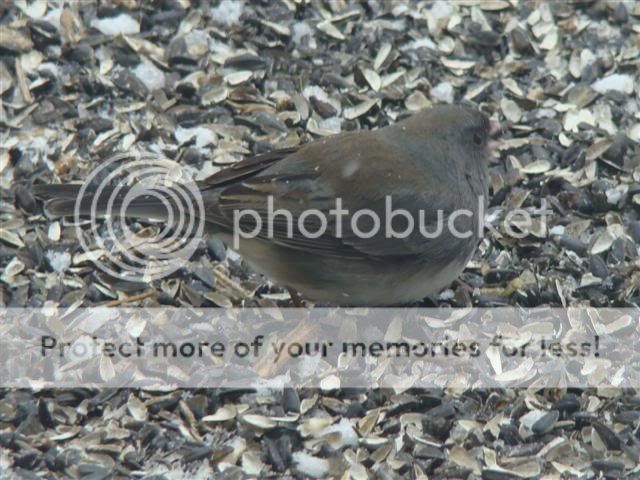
pixel 430 165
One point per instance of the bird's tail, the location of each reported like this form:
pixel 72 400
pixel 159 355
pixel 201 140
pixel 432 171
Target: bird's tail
pixel 65 199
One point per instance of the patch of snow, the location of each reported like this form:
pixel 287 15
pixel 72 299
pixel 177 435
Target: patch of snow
pixel 441 9
pixel 333 124
pixel 228 12
pixel 557 230
pixel 121 24
pixel 619 82
pixel 59 261
pixel 53 17
pixel 149 74
pixel 315 91
pixel 443 92
pixel 32 9
pixel 575 117
pixel 447 294
pixel 309 465
pixel 197 42
pixel 348 436
pixel 615 194
pixel 203 136
pixel 419 43
pixel 300 30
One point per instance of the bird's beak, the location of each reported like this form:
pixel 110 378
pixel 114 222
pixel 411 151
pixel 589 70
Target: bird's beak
pixel 495 130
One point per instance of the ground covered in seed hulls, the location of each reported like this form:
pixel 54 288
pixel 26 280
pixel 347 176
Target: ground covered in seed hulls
pixel 206 83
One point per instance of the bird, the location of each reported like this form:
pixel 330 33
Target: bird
pixel 430 165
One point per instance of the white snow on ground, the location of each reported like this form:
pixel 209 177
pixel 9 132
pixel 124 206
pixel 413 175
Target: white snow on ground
pixel 443 92
pixel 59 261
pixel 421 42
pixel 348 436
pixel 315 91
pixel 203 136
pixel 309 465
pixel 122 23
pixel 228 12
pixel 300 30
pixel 149 74
pixel 617 81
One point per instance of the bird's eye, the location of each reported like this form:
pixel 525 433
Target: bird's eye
pixel 478 138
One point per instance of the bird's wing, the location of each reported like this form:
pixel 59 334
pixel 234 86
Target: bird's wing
pixel 288 193
pixel 246 168
pixel 300 183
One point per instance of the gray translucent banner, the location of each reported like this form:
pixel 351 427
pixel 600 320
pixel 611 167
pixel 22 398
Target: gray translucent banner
pixel 326 348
